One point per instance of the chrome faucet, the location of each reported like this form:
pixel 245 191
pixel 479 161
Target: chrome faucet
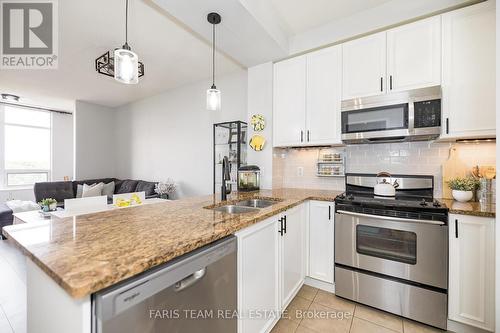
pixel 226 176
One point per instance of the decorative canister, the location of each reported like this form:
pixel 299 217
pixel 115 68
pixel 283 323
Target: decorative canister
pixel 486 192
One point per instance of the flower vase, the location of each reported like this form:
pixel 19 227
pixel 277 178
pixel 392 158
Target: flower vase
pixel 462 196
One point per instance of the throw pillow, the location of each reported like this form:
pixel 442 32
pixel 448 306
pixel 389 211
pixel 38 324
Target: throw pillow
pixel 79 190
pixel 109 189
pixel 92 190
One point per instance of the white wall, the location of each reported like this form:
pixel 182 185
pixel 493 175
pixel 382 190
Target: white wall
pixel 260 101
pixel 62 146
pixel 94 141
pixel 379 17
pixel 170 135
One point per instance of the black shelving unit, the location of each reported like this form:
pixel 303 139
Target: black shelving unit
pixel 229 139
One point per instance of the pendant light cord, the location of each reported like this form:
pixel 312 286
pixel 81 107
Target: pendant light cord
pixel 213 56
pixel 126 21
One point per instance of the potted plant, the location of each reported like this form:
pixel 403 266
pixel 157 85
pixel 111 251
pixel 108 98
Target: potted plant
pixel 463 188
pixel 164 189
pixel 48 204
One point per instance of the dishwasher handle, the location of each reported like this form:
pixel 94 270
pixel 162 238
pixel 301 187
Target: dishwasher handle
pixel 190 280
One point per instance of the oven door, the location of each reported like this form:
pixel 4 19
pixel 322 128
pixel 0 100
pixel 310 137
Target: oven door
pixel 382 122
pixel 413 250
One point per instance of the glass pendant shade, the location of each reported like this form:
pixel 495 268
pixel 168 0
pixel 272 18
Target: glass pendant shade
pixel 126 66
pixel 213 99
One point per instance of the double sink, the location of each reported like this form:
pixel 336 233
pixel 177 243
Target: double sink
pixel 245 206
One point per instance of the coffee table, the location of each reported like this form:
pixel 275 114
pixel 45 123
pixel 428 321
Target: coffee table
pixel 35 216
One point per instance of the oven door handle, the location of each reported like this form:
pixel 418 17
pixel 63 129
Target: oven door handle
pixel 389 218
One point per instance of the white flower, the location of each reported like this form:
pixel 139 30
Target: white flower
pixel 166 187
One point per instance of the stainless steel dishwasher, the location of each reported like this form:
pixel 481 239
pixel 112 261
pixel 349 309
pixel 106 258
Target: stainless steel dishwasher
pixel 195 293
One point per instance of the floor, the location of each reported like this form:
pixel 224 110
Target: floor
pixel 317 311
pixel 12 289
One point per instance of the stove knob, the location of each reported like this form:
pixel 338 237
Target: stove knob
pixel 436 203
pixel 350 197
pixel 423 203
pixel 341 196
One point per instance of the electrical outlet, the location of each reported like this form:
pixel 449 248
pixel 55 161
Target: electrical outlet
pixel 300 171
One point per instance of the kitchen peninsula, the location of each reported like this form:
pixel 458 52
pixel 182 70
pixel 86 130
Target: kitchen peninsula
pixel 69 259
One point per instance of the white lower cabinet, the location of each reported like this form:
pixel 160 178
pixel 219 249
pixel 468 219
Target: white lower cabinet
pixel 292 253
pixel 321 240
pixel 258 274
pixel 271 268
pixel 472 271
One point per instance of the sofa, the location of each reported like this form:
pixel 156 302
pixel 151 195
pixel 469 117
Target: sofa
pixel 6 217
pixel 61 191
pixel 67 190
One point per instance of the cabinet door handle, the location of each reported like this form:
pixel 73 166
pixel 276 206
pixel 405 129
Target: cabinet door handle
pixel 381 84
pixel 329 212
pixel 390 82
pixel 447 125
pixel 307 135
pixel 456 228
pixel 281 227
pixel 285 224
pixel 301 136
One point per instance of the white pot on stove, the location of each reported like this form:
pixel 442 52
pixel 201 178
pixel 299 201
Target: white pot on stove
pixel 384 187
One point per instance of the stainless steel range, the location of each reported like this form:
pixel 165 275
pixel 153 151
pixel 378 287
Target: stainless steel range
pixel 392 253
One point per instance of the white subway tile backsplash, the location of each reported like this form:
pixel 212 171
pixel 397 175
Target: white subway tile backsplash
pixel 424 158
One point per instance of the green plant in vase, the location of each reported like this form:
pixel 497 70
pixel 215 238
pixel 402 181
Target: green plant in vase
pixel 48 204
pixel 463 189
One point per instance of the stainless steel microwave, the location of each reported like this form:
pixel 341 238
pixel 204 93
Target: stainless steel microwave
pixel 413 115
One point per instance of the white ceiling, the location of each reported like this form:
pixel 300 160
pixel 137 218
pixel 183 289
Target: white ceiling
pixel 172 55
pixel 299 15
pixel 172 38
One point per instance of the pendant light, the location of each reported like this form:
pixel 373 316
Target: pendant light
pixel 213 94
pixel 126 61
pixel 123 64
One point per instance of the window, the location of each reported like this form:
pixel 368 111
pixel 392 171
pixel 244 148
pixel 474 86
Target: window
pixel 27 146
pixel 390 244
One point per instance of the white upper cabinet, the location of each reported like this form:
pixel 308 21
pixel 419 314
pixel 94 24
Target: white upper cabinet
pixel 289 110
pixel 414 55
pixel 364 66
pixel 323 96
pixel 307 91
pixel 469 72
pixel 472 271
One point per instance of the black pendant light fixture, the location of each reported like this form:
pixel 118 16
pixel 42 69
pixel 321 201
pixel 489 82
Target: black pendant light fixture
pixel 213 94
pixel 122 63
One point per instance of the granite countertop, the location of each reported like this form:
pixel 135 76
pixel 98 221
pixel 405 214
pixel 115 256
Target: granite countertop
pixel 469 208
pixel 87 253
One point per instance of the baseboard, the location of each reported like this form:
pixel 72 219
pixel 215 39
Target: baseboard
pixel 457 327
pixel 329 287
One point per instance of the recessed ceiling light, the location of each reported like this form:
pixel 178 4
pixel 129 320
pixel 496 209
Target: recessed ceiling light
pixel 10 97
